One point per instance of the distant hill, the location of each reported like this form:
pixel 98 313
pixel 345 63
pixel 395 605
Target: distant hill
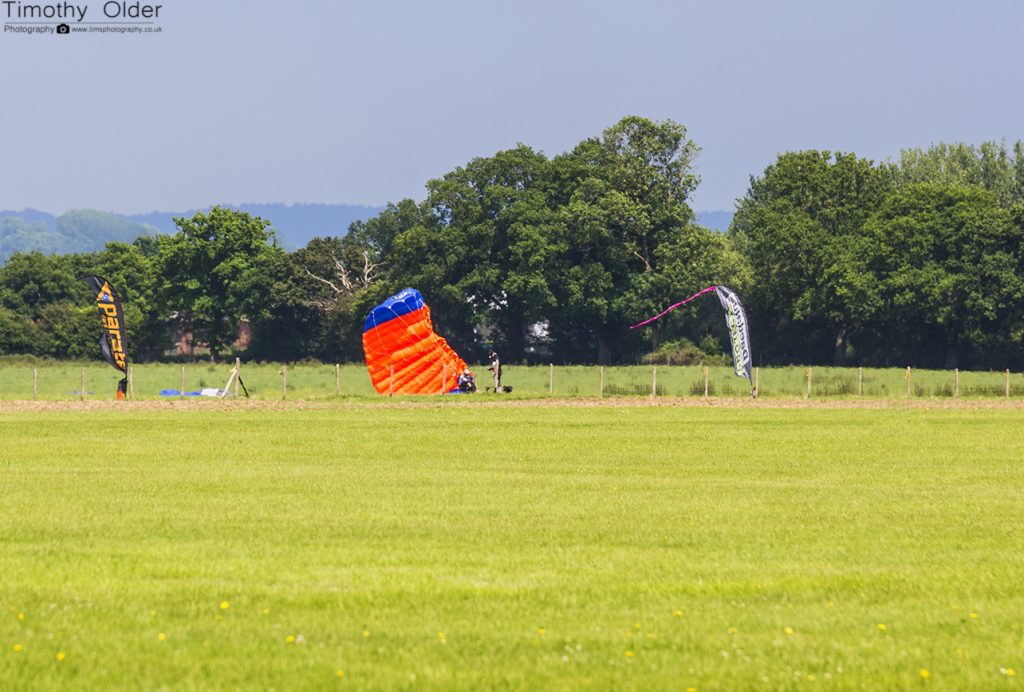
pixel 88 230
pixel 719 220
pixel 79 230
pixel 295 224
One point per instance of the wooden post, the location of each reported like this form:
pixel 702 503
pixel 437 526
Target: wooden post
pixel 1007 383
pixel 391 381
pixel 238 375
pixel 81 394
pixel 956 383
pixel 860 381
pixel 600 391
pixel 35 383
pixel 337 379
pixel 444 377
pixel 131 382
pixel 907 395
pixel 757 380
pixel 181 392
pixel 705 382
pixel 654 381
pixel 551 379
pixel 810 375
pixel 284 382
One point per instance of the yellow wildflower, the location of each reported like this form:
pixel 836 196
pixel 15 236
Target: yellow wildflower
pixel 341 673
pixel 17 648
pixel 678 613
pixel 290 639
pixel 162 636
pixel 224 605
pixel 925 674
pixel 366 633
pixel 629 654
pixel 788 630
pixel 882 626
pixel 60 655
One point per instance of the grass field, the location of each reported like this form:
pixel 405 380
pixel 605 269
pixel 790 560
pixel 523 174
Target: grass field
pixel 56 381
pixel 458 544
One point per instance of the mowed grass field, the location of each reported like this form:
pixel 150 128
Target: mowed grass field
pixel 461 544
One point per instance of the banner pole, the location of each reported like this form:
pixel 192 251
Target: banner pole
pixel 551 379
pixel 860 381
pixel 131 382
pixel 956 383
pixel 337 379
pixel 907 395
pixel 705 382
pixel 654 381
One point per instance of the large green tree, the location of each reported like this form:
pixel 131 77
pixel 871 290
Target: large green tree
pixel 217 271
pixel 622 201
pixel 801 225
pixel 948 265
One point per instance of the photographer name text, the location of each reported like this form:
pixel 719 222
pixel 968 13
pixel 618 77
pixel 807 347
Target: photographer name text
pixel 69 11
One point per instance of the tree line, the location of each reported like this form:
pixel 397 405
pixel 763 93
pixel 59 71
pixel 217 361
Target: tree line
pixel 839 259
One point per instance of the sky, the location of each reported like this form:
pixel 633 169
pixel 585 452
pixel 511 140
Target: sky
pixel 333 101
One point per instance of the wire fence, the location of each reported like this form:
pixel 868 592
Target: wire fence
pixel 62 381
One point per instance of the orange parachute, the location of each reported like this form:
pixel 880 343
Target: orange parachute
pixel 403 354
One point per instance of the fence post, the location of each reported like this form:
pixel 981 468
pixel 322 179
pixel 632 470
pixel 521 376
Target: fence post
pixel 35 383
pixel 391 380
pixel 810 375
pixel 551 379
pixel 181 392
pixel 956 383
pixel 907 395
pixel 1007 383
pixel 81 394
pixel 654 381
pixel 284 382
pixel 337 379
pixel 705 382
pixel 600 391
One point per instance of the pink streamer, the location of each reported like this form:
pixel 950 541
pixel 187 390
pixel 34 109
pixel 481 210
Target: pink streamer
pixel 670 308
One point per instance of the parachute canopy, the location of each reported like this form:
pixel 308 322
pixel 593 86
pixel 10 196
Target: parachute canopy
pixel 735 320
pixel 399 335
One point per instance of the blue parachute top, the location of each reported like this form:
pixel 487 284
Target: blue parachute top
pixel 402 303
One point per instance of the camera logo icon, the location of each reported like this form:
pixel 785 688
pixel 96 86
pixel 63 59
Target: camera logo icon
pixel 63 29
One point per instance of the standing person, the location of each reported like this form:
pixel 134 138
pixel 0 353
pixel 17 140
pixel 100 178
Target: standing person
pixel 496 371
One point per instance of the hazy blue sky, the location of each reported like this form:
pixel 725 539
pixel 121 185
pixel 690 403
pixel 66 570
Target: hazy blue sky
pixel 344 102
